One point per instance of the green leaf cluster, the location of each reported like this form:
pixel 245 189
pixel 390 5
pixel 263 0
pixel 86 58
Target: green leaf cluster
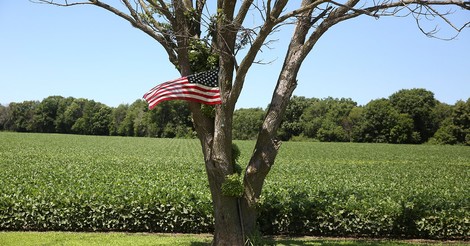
pixel 201 57
pixel 232 186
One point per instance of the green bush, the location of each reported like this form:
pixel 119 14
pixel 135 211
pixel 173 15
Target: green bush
pixel 232 186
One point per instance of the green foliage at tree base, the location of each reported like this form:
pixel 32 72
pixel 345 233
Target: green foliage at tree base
pixel 232 186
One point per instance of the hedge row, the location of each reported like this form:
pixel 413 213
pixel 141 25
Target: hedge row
pixel 327 214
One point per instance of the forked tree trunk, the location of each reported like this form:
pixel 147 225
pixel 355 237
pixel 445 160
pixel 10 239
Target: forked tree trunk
pixel 235 221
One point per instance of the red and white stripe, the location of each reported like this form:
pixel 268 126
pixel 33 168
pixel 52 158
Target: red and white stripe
pixel 183 90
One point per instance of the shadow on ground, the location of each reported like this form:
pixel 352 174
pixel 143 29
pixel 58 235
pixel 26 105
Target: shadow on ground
pixel 349 242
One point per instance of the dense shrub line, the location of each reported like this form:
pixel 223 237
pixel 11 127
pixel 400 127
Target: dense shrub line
pixel 343 214
pixel 326 214
pixel 96 215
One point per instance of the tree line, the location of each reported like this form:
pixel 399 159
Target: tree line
pixel 57 114
pixel 411 116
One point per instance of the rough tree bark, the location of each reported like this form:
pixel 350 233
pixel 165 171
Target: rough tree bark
pixel 174 24
pixel 267 144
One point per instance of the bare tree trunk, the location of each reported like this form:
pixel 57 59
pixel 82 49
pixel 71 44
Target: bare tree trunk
pixel 267 144
pixel 227 229
pixel 216 148
pixel 266 147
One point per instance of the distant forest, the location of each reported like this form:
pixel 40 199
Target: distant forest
pixel 409 116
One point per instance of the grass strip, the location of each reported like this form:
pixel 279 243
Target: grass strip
pixel 141 239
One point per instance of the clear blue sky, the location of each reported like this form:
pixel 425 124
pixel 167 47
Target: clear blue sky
pixel 86 52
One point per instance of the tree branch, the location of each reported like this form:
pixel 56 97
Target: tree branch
pixel 271 21
pixel 237 22
pixel 163 9
pixel 395 7
pixel 132 11
pixel 299 11
pixel 403 3
pixel 66 4
pixel 133 19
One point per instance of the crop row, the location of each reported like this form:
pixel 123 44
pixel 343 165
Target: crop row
pixel 84 183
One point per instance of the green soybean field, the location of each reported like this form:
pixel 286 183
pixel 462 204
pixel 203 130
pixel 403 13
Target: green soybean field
pixel 89 183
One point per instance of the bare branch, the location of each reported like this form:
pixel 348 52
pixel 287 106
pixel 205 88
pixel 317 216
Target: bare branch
pixel 237 22
pixel 416 8
pixel 392 5
pixel 262 11
pixel 163 8
pixel 246 63
pixel 360 11
pixel 268 8
pixel 66 4
pixel 132 11
pixel 299 11
pixel 133 19
pixel 442 16
pixel 323 14
pixel 261 62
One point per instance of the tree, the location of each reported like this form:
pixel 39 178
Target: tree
pixel 46 113
pixel 117 117
pixel 3 116
pixel 382 123
pixel 61 124
pixel 441 112
pixel 169 119
pixel 131 125
pixel 419 105
pixel 352 125
pixel 379 118
pixel 456 128
pixel 247 122
pixel 20 116
pixel 80 115
pixel 327 119
pixel 135 118
pixel 177 24
pixel 461 119
pixel 446 133
pixel 101 120
pixel 291 124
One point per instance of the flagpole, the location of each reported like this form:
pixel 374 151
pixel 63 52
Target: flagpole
pixel 240 215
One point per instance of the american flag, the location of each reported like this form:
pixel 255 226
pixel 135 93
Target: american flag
pixel 200 87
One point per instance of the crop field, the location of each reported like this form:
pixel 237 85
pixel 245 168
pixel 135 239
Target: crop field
pixel 89 183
